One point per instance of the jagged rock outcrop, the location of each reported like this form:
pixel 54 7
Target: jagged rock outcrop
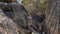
pixel 7 26
pixel 52 16
pixel 13 18
pixel 18 21
pixel 16 17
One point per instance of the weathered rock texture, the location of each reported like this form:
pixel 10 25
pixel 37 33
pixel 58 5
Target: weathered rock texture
pixel 13 19
pixel 7 26
pixel 52 16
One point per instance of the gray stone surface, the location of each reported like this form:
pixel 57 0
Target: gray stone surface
pixel 53 13
pixel 14 19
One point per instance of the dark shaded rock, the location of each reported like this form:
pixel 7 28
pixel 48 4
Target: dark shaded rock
pixel 39 18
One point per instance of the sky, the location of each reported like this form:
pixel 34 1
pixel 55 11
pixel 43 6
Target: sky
pixel 19 1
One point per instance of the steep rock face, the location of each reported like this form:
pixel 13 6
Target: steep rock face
pixel 7 26
pixel 52 14
pixel 13 18
pixel 16 15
